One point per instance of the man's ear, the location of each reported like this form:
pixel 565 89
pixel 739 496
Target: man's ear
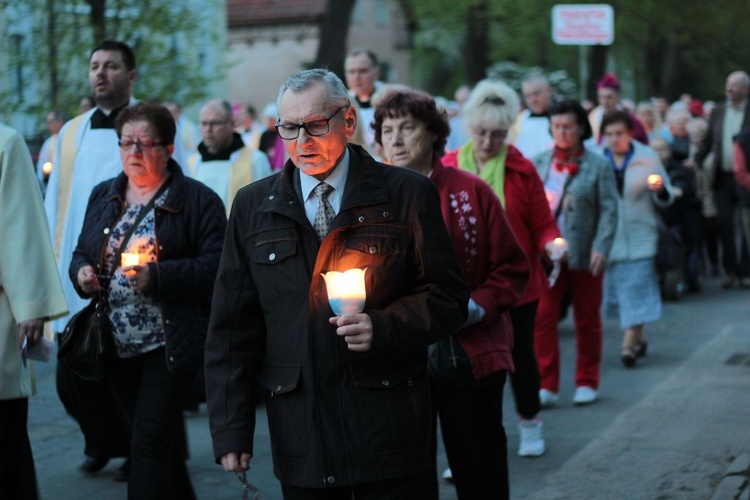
pixel 350 119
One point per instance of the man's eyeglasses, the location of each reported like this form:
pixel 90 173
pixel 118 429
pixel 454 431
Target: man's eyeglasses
pixel 127 144
pixel 314 128
pixel 213 124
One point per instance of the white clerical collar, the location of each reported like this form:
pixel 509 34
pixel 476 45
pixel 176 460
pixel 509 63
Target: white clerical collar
pixel 336 179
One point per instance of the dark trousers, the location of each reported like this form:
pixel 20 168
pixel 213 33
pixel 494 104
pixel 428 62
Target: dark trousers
pixel 525 380
pixel 411 487
pixel 154 398
pixel 17 474
pixel 727 198
pixel 711 240
pixel 100 414
pixel 471 422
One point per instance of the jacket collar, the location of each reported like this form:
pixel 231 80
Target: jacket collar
pixel 364 185
pixel 175 200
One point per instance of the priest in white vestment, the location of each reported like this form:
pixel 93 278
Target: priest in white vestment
pixel 223 162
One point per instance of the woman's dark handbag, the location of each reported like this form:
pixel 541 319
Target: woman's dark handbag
pixel 86 340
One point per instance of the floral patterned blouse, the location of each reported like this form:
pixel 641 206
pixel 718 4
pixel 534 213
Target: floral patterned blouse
pixel 136 318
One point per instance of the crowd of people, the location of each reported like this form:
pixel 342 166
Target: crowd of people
pixel 477 226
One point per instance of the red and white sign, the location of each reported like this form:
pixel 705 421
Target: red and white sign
pixel 583 24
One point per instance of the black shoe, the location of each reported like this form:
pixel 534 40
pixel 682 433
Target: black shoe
pixel 93 465
pixel 641 350
pixel 122 474
pixel 629 357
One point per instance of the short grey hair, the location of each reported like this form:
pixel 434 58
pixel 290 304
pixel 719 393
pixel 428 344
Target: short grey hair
pixel 298 82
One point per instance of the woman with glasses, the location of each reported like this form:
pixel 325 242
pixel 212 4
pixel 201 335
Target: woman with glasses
pixel 150 248
pixel 489 113
pixel 468 369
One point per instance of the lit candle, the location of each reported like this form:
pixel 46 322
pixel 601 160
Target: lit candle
pixel 653 179
pixel 130 259
pixel 47 168
pixel 346 291
pixel 559 247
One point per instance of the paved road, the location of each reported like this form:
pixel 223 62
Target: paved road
pixel 665 430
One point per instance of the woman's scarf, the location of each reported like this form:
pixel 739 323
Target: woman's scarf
pixel 567 159
pixel 493 172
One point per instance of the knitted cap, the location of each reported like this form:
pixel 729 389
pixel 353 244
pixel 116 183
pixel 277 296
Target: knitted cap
pixel 608 81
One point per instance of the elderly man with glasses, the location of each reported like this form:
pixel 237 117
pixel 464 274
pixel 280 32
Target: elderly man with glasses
pixel 223 161
pixel 349 405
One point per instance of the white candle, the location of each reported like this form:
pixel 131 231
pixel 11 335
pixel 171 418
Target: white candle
pixel 559 247
pixel 346 291
pixel 653 179
pixel 130 259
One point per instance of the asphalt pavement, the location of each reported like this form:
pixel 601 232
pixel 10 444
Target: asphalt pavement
pixel 675 427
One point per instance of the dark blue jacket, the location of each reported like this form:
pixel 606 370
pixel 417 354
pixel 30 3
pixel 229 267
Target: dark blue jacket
pixel 189 229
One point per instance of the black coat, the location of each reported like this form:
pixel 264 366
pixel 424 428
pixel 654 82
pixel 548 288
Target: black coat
pixel 189 229
pixel 336 417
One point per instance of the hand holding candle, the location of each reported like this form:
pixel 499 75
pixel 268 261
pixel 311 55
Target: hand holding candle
pixel 655 182
pixel 556 249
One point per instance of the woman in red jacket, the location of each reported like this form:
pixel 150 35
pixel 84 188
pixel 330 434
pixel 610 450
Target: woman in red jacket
pixel 468 369
pixel 489 113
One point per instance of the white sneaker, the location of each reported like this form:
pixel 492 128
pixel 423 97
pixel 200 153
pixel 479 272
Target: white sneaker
pixel 584 395
pixel 448 475
pixel 547 398
pixel 532 438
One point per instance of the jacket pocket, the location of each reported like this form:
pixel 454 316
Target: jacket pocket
pixel 287 414
pixel 276 269
pixel 371 243
pixel 392 408
pixel 274 252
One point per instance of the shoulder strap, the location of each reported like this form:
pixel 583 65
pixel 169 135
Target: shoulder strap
pixel 66 166
pixel 141 215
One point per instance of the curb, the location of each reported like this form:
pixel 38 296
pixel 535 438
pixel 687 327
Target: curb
pixel 736 479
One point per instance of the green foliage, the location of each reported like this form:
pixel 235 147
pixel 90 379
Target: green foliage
pixel 661 46
pixel 161 32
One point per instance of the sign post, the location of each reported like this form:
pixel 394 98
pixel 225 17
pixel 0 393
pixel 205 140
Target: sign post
pixel 582 25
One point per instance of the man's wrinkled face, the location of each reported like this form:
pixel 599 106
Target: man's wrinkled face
pixel 318 155
pixel 216 128
pixel 736 89
pixel 361 74
pixel 537 96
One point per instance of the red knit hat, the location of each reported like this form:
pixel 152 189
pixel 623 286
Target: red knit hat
pixel 696 108
pixel 608 81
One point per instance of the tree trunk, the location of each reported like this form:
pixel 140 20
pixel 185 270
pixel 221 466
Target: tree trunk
pixel 52 45
pixel 334 30
pixel 597 67
pixel 98 19
pixel 477 49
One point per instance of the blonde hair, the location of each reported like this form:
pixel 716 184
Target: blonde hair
pixel 492 102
